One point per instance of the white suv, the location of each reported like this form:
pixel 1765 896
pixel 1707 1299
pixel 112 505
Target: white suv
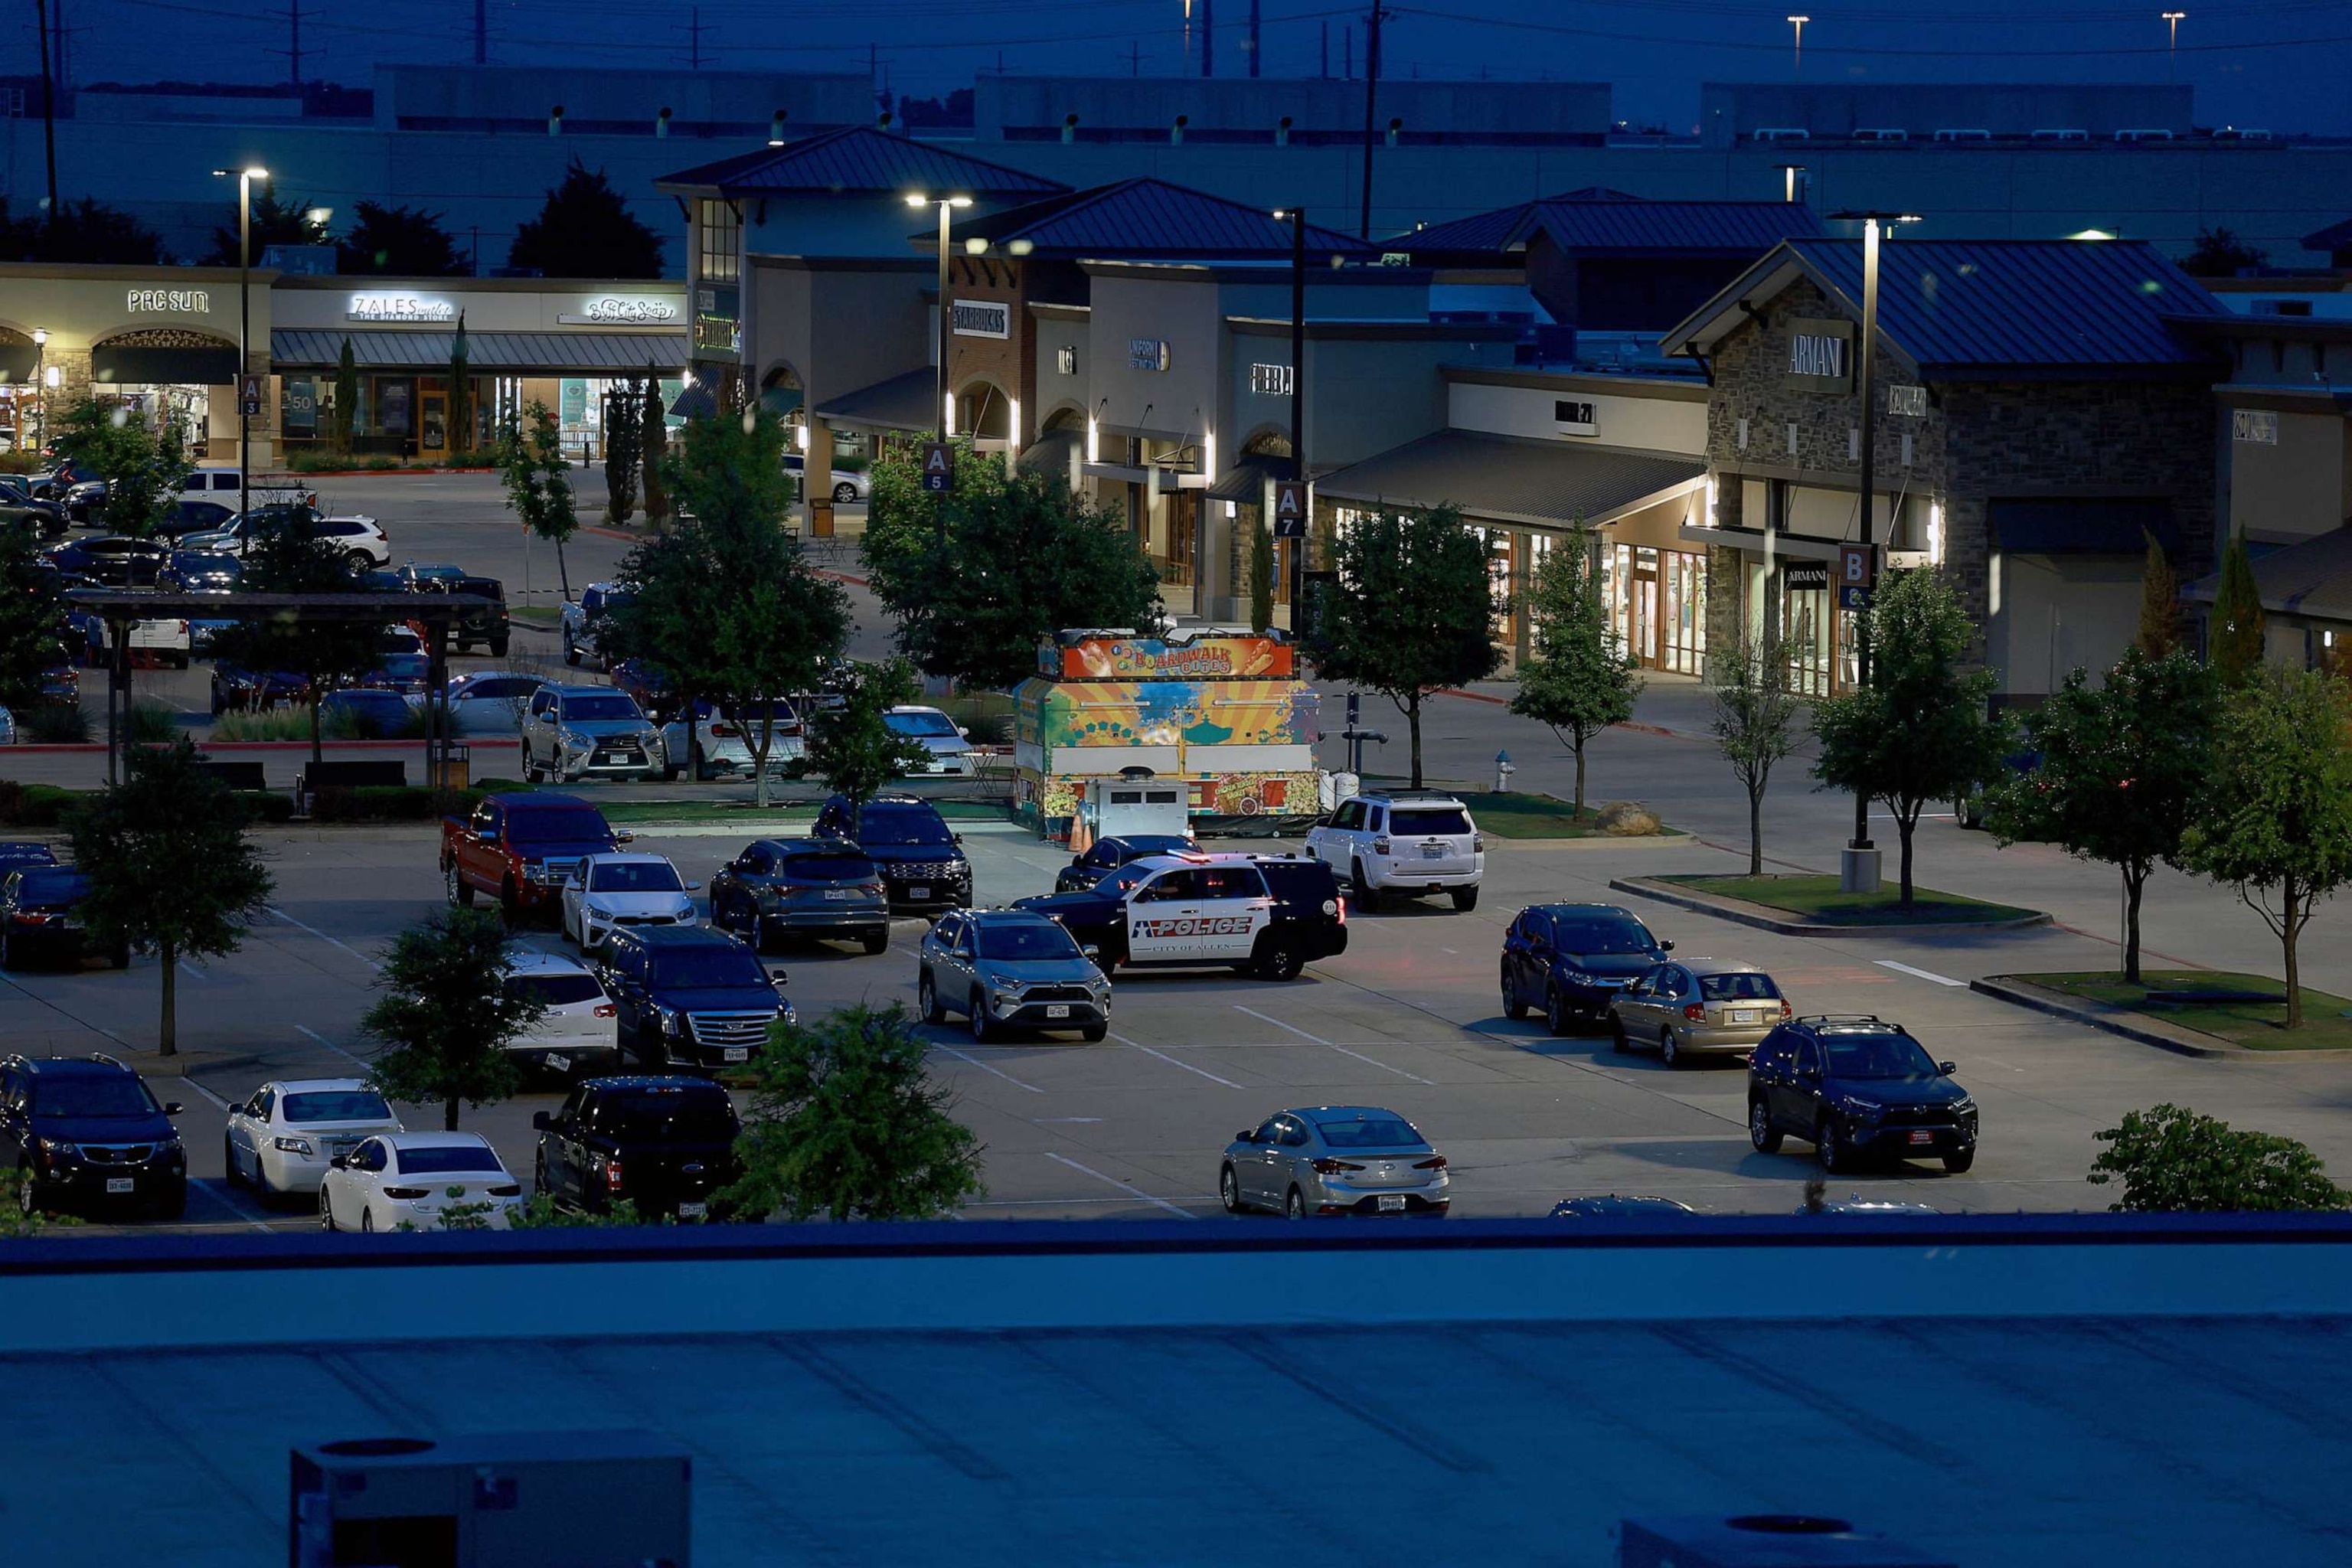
pixel 1405 842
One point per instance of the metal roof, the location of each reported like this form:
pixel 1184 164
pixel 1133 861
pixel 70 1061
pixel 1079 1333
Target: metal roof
pixel 1512 479
pixel 1150 218
pixel 910 400
pixel 1597 219
pixel 2335 236
pixel 859 159
pixel 375 349
pixel 2312 579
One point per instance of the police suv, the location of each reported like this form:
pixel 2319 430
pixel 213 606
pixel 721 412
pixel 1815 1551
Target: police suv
pixel 1267 915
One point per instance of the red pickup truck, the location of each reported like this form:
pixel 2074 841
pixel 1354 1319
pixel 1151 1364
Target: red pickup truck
pixel 520 848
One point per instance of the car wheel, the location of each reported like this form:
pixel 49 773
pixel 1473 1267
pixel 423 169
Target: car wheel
pixel 510 902
pixel 1958 1164
pixel 1366 899
pixel 1095 1034
pixel 843 494
pixel 539 1176
pixel 1761 1131
pixel 461 892
pixel 1295 1205
pixel 877 941
pixel 360 561
pixel 1229 1190
pixel 570 653
pixel 1668 1052
pixel 173 1204
pixel 530 768
pixel 926 1000
pixel 234 1177
pixel 1512 1006
pixel 983 1029
pixel 326 1209
pixel 1618 1039
pixel 498 647
pixel 1280 960
pixel 1464 900
pixel 1829 1147
pixel 1557 1020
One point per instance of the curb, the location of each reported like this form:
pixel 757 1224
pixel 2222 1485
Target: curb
pixel 384 473
pixel 2120 1021
pixel 97 748
pixel 1671 837
pixel 1740 912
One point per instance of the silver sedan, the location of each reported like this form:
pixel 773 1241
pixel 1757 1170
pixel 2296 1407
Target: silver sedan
pixel 1334 1159
pixel 1697 1006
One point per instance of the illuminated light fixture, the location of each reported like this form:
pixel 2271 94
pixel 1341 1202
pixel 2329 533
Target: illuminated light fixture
pixel 322 216
pixel 947 413
pixel 975 246
pixel 801 435
pixel 1012 426
pixel 257 172
pixel 49 377
pixel 1094 439
pixel 1208 456
pixel 1935 533
pixel 1020 247
pixel 2094 234
pixel 40 336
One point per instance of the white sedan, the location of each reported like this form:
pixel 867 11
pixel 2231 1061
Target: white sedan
pixel 284 1137
pixel 624 889
pixel 580 1030
pixel 419 1179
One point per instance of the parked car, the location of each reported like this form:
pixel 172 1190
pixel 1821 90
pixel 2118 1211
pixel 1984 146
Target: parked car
pixel 229 483
pixel 486 703
pixel 487 627
pixel 665 1145
pixel 361 538
pixel 40 918
pixel 188 517
pixel 1106 855
pixel 1334 1160
pixel 800 887
pixel 417 576
pixel 583 636
pixel 1572 961
pixel 571 732
pixel 848 487
pixel 43 519
pixel 365 713
pixel 724 742
pixel 415 1179
pixel 579 1032
pixel 1697 1006
pixel 520 848
pixel 284 1139
pixel 409 674
pixel 114 559
pixel 7 728
pixel 1857 1087
pixel 922 862
pixel 624 889
pixel 237 690
pixel 1010 969
pixel 951 747
pixel 81 1132
pixel 201 571
pixel 1613 1205
pixel 1406 844
pixel 689 996
pixel 1267 915
pixel 18 854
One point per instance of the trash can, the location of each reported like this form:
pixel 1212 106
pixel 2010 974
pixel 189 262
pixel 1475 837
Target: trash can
pixel 448 766
pixel 820 520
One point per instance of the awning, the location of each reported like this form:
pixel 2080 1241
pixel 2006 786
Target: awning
pixel 1246 480
pixel 17 361
pixel 1050 453
pixel 137 365
pixel 487 354
pixel 2081 525
pixel 782 400
pixel 906 402
pixel 698 401
pixel 2312 579
pixel 1510 479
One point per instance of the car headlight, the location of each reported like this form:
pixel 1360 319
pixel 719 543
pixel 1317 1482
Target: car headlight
pixel 295 1146
pixel 1869 1110
pixel 670 1019
pixel 1577 977
pixel 1964 1107
pixel 57 1147
pixel 534 870
pixel 573 739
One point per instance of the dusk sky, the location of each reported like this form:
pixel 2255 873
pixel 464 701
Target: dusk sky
pixel 2280 64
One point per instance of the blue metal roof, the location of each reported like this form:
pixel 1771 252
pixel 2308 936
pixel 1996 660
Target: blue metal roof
pixel 859 159
pixel 1644 227
pixel 1145 217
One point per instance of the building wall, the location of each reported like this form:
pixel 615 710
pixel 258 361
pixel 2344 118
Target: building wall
pixel 1187 315
pixel 702 103
pixel 1021 108
pixel 1731 111
pixel 1654 416
pixel 2298 488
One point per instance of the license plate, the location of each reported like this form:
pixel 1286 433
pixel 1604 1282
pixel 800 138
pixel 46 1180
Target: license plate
pixel 1747 1015
pixel 560 1064
pixel 121 1184
pixel 736 1054
pixel 692 1211
pixel 1433 851
pixel 1923 1137
pixel 918 892
pixel 1392 1204
pixel 837 892
pixel 1057 1010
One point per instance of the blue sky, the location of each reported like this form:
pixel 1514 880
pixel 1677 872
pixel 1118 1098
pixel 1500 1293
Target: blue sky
pixel 1654 51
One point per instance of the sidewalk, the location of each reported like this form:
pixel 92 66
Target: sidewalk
pixel 1679 706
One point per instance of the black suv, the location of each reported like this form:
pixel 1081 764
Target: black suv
pixel 40 917
pixel 922 863
pixel 665 1145
pixel 84 1131
pixel 490 627
pixel 1856 1086
pixel 800 887
pixel 689 996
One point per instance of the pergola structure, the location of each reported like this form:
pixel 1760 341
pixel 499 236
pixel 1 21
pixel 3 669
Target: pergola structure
pixel 122 608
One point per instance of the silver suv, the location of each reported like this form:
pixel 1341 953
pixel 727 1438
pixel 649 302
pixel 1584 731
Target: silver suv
pixel 1010 969
pixel 1407 843
pixel 588 731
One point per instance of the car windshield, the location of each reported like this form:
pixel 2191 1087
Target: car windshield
pixel 1125 880
pixel 555 990
pixel 437 574
pixel 1738 988
pixel 1372 1132
pixel 558 825
pixel 828 869
pixel 1016 940
pixel 404 666
pixel 1623 935
pixel 337 1105
pixel 903 827
pixel 655 1116
pixel 98 1096
pixel 1424 821
pixel 709 968
pixel 925 725
pixel 1879 1057
pixel 595 709
pixel 448 1159
pixel 634 877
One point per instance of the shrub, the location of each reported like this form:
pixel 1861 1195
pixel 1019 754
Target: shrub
pixel 2171 1158
pixel 267 805
pixel 273 724
pixel 152 724
pixel 36 806
pixel 56 724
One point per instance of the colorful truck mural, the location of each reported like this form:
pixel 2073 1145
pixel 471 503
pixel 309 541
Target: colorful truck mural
pixel 1220 714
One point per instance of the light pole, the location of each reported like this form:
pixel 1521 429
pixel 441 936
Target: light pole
pixel 1797 67
pixel 945 205
pixel 41 384
pixel 2172 20
pixel 244 179
pixel 1297 216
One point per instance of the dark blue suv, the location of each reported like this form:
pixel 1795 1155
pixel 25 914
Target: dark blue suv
pixel 1857 1087
pixel 1570 959
pixel 81 1132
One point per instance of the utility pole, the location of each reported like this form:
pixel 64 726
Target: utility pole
pixel 1324 70
pixel 49 115
pixel 694 40
pixel 1135 59
pixel 1254 38
pixel 1208 37
pixel 1371 93
pixel 481 32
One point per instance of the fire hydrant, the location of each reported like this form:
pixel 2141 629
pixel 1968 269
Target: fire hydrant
pixel 1503 771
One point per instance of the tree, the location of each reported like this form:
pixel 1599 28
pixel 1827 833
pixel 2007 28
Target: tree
pixel 171 870
pixel 2234 636
pixel 275 222
pixel 2122 768
pixel 2159 603
pixel 142 468
pixel 1411 610
pixel 979 578
pixel 533 468
pixel 1260 577
pixel 2275 815
pixel 584 216
pixel 652 449
pixel 399 242
pixel 2220 253
pixel 296 558
pixel 1921 729
pixel 1755 725
pixel 1576 683
pixel 624 419
pixel 847 1123
pixel 850 748
pixel 461 391
pixel 446 1016
pixel 85 234
pixel 2171 1158
pixel 347 397
pixel 32 617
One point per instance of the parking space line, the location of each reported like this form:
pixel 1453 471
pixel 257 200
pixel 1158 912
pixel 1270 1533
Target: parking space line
pixel 1280 1025
pixel 1171 1061
pixel 218 1103
pixel 1927 974
pixel 192 969
pixel 1369 1061
pixel 330 1044
pixel 984 1067
pixel 1122 1186
pixel 322 936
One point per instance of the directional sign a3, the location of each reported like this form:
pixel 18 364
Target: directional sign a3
pixel 938 467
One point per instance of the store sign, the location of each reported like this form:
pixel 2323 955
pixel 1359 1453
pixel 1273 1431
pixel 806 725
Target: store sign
pixel 1147 353
pixel 179 301
pixel 1271 380
pixel 982 318
pixel 1065 360
pixel 1810 576
pixel 717 322
pixel 404 307
pixel 611 310
pixel 572 402
pixel 1148 658
pixel 1821 355
pixel 1908 401
pixel 1576 416
pixel 299 405
pixel 2256 427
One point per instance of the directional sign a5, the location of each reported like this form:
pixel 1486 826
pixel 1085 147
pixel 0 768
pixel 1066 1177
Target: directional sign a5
pixel 938 467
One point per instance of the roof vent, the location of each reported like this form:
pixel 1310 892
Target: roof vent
pixel 1069 129
pixel 1176 131
pixel 1395 128
pixel 555 121
pixel 776 129
pixel 661 121
pixel 1282 131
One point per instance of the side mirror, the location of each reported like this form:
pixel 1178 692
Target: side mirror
pixel 540 1121
pixel 1809 1074
pixel 1077 862
pixel 1246 1135
pixel 1948 1069
pixel 694 886
pixel 776 977
pixel 174 1107
pixel 957 837
pixel 340 1162
pixel 1665 947
pixel 625 837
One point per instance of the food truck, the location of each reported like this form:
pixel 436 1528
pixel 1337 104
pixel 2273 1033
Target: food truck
pixel 1209 729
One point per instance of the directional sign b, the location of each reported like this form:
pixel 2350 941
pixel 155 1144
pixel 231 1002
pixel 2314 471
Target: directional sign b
pixel 938 467
pixel 1289 509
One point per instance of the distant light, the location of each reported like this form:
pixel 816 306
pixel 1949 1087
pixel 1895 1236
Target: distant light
pixel 959 201
pixel 257 172
pixel 1021 247
pixel 321 216
pixel 975 246
pixel 40 336
pixel 2092 233
pixel 917 199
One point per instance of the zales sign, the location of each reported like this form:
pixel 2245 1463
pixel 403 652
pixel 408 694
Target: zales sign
pixel 614 312
pixel 399 308
pixel 189 301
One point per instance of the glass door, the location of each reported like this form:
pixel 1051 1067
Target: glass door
pixel 1684 577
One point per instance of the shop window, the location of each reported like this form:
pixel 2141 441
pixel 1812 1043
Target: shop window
pixel 721 239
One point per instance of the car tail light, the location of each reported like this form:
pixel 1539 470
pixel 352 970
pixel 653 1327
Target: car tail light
pixel 1380 846
pixel 1435 1163
pixel 873 890
pixel 507 1189
pixel 1694 1013
pixel 1786 1011
pixel 406 1193
pixel 606 1010
pixel 1343 909
pixel 611 1175
pixel 1333 1167
pixel 1479 844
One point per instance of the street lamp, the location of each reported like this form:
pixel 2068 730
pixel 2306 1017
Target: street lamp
pixel 1788 172
pixel 1297 216
pixel 245 182
pixel 40 385
pixel 1861 852
pixel 1798 68
pixel 945 205
pixel 2172 20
